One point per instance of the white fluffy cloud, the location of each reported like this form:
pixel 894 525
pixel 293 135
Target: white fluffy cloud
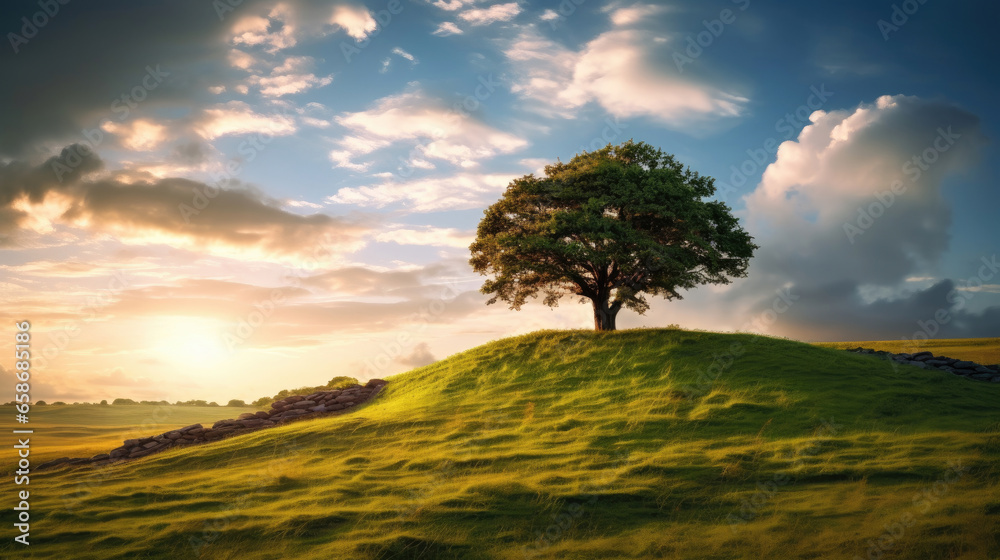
pixel 427 236
pixel 847 216
pixel 625 70
pixel 447 28
pixel 236 117
pixel 355 20
pixel 140 135
pixel 436 132
pixel 455 192
pixel 493 14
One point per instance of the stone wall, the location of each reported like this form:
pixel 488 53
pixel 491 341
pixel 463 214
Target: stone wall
pixel 927 360
pixel 296 407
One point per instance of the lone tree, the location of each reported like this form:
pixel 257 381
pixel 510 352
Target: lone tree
pixel 609 226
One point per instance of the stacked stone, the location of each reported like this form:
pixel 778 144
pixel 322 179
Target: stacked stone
pixel 323 401
pixel 927 360
pixel 282 411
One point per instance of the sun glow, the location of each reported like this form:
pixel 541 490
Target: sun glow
pixel 191 342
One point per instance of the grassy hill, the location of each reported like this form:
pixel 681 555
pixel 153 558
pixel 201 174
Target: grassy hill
pixel 572 444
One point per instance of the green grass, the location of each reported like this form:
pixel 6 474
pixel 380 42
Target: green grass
pixel 980 350
pixel 606 442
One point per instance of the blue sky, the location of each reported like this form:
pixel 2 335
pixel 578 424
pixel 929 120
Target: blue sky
pixel 322 166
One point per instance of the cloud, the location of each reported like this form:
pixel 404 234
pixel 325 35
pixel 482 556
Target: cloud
pixel 634 14
pixel 623 70
pixel 233 221
pixel 355 20
pixel 428 236
pixel 291 77
pixel 185 40
pixel 139 135
pixel 447 28
pixel 236 117
pixel 493 14
pixel 459 191
pixel 419 357
pixel 845 248
pixel 442 132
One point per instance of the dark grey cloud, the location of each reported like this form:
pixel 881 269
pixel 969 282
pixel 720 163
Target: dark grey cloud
pixel 176 211
pixel 118 59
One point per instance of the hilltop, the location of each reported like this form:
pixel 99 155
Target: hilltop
pixel 576 444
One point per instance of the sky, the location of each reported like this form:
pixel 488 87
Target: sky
pixel 222 199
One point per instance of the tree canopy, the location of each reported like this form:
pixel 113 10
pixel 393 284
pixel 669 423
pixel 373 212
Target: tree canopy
pixel 610 226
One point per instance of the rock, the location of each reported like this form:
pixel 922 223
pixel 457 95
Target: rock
pixel 101 457
pixel 982 376
pixel 922 356
pixel 263 415
pixel 963 365
pixel 53 463
pixel 344 398
pixel 314 396
pixel 246 415
pixel 190 428
pixel 80 461
pixel 131 442
pixel 256 423
pixel 957 371
pixel 319 408
pixel 334 406
pixel 983 369
pixel 920 365
pixel 995 379
pixel 937 362
pixel 221 423
pixel 304 404
pixel 118 452
pixel 151 444
pixel 905 356
pixel 145 440
pixel 294 399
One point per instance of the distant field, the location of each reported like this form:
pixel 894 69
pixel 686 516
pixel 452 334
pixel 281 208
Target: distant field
pixel 979 350
pixel 85 430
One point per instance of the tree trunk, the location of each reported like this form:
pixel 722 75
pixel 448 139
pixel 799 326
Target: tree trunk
pixel 604 315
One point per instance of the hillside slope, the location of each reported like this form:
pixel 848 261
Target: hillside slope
pixel 573 444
